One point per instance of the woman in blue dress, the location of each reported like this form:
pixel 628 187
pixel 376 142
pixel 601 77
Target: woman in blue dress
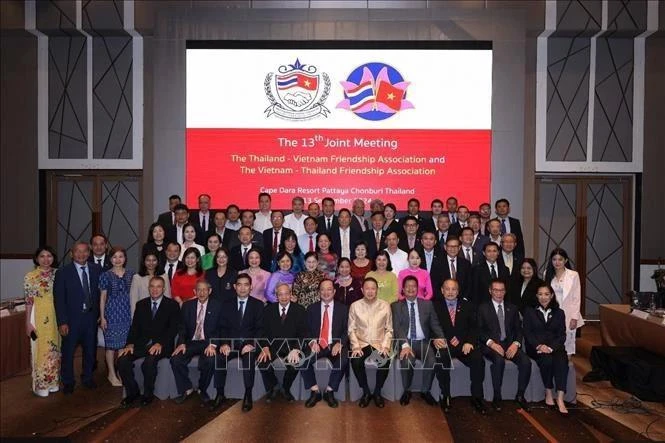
pixel 115 308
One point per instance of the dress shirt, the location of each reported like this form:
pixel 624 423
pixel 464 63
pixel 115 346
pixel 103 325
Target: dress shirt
pixel 496 267
pixel 420 335
pixel 158 301
pixel 178 234
pixel 545 312
pixel 277 234
pixel 496 240
pixel 235 225
pixel 329 337
pixel 496 310
pixel 508 261
pixel 199 306
pixel 362 221
pixel 303 241
pixel 450 259
pixel 475 237
pixel 244 304
pixel 442 236
pixel 327 222
pixel 451 304
pixel 467 252
pixel 453 217
pixel 370 324
pixel 344 238
pixel 206 226
pixel 262 221
pixel 411 241
pixel 97 260
pixel 286 309
pixel 429 257
pixel 507 224
pixel 295 224
pixel 398 260
pixel 79 269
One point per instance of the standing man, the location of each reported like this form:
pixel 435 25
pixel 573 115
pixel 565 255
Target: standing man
pixel 358 221
pixel 172 260
pixel 307 240
pixel 167 219
pixel 272 237
pixel 398 257
pixel 467 251
pixel 99 245
pixel 262 220
pixel 479 239
pixel 76 294
pixel 247 219
pixel 451 206
pixel 462 222
pixel 238 254
pixel 411 237
pixel 295 221
pixel 203 220
pixel 509 225
pixel 456 267
pixel 442 230
pixel 431 259
pixel 228 235
pixel 437 209
pixel 344 237
pixel 484 213
pixel 174 233
pixel 484 272
pixel 375 237
pixel 328 221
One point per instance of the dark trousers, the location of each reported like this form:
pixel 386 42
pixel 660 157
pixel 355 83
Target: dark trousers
pixel 339 364
pixel 498 365
pixel 553 369
pixel 427 355
pixel 269 377
pixel 84 331
pixel 181 371
pixel 247 363
pixel 473 360
pixel 125 366
pixel 358 365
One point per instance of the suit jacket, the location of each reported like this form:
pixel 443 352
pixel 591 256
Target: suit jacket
pixel 572 297
pixel 429 322
pixel 480 281
pixel 537 331
pixel 455 229
pixel 515 228
pixel 68 293
pixel 488 323
pixel 514 275
pixel 268 242
pixel 107 262
pixel 403 243
pixel 355 224
pixel 368 237
pixel 336 240
pixel 435 272
pixel 235 257
pixel 162 329
pixel 394 226
pixel 429 225
pixel 423 223
pixel 201 234
pixel 463 277
pixel 476 257
pixel 165 219
pixel 339 327
pixel 480 242
pixel 282 337
pixel 528 298
pixel 466 325
pixel 321 227
pixel 211 323
pixel 245 331
pixel 257 239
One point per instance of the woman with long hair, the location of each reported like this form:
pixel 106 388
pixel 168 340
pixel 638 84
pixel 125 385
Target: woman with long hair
pixel 185 278
pixel 259 275
pixel 141 280
pixel 156 243
pixel 189 240
pixel 523 292
pixel 221 277
pixel 290 244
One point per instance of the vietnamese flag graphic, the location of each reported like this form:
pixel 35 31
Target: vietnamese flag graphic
pixel 309 82
pixel 389 95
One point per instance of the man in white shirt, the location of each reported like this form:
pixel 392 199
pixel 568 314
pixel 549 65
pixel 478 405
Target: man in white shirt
pixel 398 258
pixel 307 240
pixel 296 219
pixel 233 217
pixel 262 219
pixel 173 263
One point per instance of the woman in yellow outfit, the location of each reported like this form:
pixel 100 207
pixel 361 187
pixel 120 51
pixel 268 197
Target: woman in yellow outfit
pixel 41 323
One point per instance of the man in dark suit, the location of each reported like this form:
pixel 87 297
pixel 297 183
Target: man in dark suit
pixel 431 223
pixel 328 221
pixel 172 263
pixel 479 239
pixel 284 327
pixel 76 297
pixel 509 224
pixel 411 237
pixel 151 336
pixel 174 233
pixel 167 219
pixel 272 238
pixel 466 249
pixel 442 231
pixel 228 235
pixel 417 331
pixel 413 210
pixel 327 326
pixel 203 220
pixel 451 209
pixel 358 221
pixel 241 327
pixel 99 246
pixel 500 334
pixel 375 237
pixel 458 320
pixel 510 258
pixel 484 272
pixel 456 267
pixel 199 324
pixel 344 237
pixel 462 222
pixel 238 254
pixel 247 218
pixel 431 259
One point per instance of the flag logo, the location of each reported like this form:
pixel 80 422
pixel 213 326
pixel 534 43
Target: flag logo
pixel 375 91
pixel 297 92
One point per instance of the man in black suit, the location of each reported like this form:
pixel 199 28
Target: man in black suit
pixel 375 237
pixel 510 258
pixel 416 342
pixel 151 337
pixel 228 235
pixel 241 326
pixel 413 210
pixel 411 236
pixel 174 233
pixel 328 221
pixel 344 237
pixel 327 325
pixel 167 219
pixel 456 267
pixel 272 238
pixel 466 248
pixel 99 246
pixel 442 231
pixel 431 259
pixel 500 333
pixel 462 222
pixel 247 218
pixel 437 209
pixel 358 220
pixel 199 324
pixel 486 271
pixel 238 254
pixel 458 320
pixel 284 327
pixel 479 239
pixel 172 263
pixel 509 224
pixel 203 220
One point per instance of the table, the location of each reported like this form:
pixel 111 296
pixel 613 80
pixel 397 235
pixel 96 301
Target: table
pixel 619 328
pixel 14 345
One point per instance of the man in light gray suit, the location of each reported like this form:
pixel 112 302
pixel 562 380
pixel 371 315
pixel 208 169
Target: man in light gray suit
pixel 416 327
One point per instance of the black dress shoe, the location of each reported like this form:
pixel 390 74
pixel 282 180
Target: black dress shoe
pixel 479 405
pixel 313 399
pixel 272 394
pixel 521 401
pixel 364 400
pixel 289 397
pixel 247 402
pixel 405 398
pixel 128 401
pixel 329 397
pixel 428 398
pixel 445 403
pixel 378 401
pixel 496 405
pixel 68 389
pixel 217 402
pixel 182 398
pixel 90 384
pixel 145 400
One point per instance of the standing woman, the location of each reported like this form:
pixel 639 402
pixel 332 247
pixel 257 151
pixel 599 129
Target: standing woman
pixel 282 275
pixel 424 282
pixel 544 338
pixel 156 243
pixel 523 292
pixel 40 320
pixel 222 277
pixel 327 258
pixel 259 275
pixel 208 259
pixel 185 278
pixel 383 273
pixel 115 308
pixel 566 285
pixel 290 245
pixel 347 289
pixel 189 240
pixel 361 265
pixel 391 224
pixel 141 281
pixel 306 284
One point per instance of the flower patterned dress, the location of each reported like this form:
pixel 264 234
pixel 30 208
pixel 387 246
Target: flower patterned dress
pixel 117 311
pixel 306 286
pixel 38 289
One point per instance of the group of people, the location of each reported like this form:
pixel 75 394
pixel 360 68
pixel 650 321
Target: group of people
pixel 339 285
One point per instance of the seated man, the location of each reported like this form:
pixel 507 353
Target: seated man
pixel 284 328
pixel 199 324
pixel 416 326
pixel 328 321
pixel 500 332
pixel 458 320
pixel 241 325
pixel 151 337
pixel 370 333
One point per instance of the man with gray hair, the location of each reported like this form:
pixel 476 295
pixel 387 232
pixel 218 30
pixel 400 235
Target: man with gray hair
pixel 358 221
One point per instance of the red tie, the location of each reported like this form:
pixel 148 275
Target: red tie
pixel 452 313
pixel 325 324
pixel 274 242
pixel 311 244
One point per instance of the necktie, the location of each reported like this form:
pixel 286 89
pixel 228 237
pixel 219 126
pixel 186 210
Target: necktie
pixel 468 254
pixel 345 243
pixel 204 225
pixel 311 243
pixel 274 242
pixel 453 271
pixel 428 260
pixel 502 322
pixel 492 271
pixel 283 316
pixel 154 309
pixel 198 333
pixel 170 272
pixel 412 321
pixel 99 261
pixel 504 229
pixel 87 302
pixel 453 218
pixel 244 255
pixel 378 240
pixel 328 224
pixel 412 242
pixel 241 309
pixel 325 325
pixel 452 311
